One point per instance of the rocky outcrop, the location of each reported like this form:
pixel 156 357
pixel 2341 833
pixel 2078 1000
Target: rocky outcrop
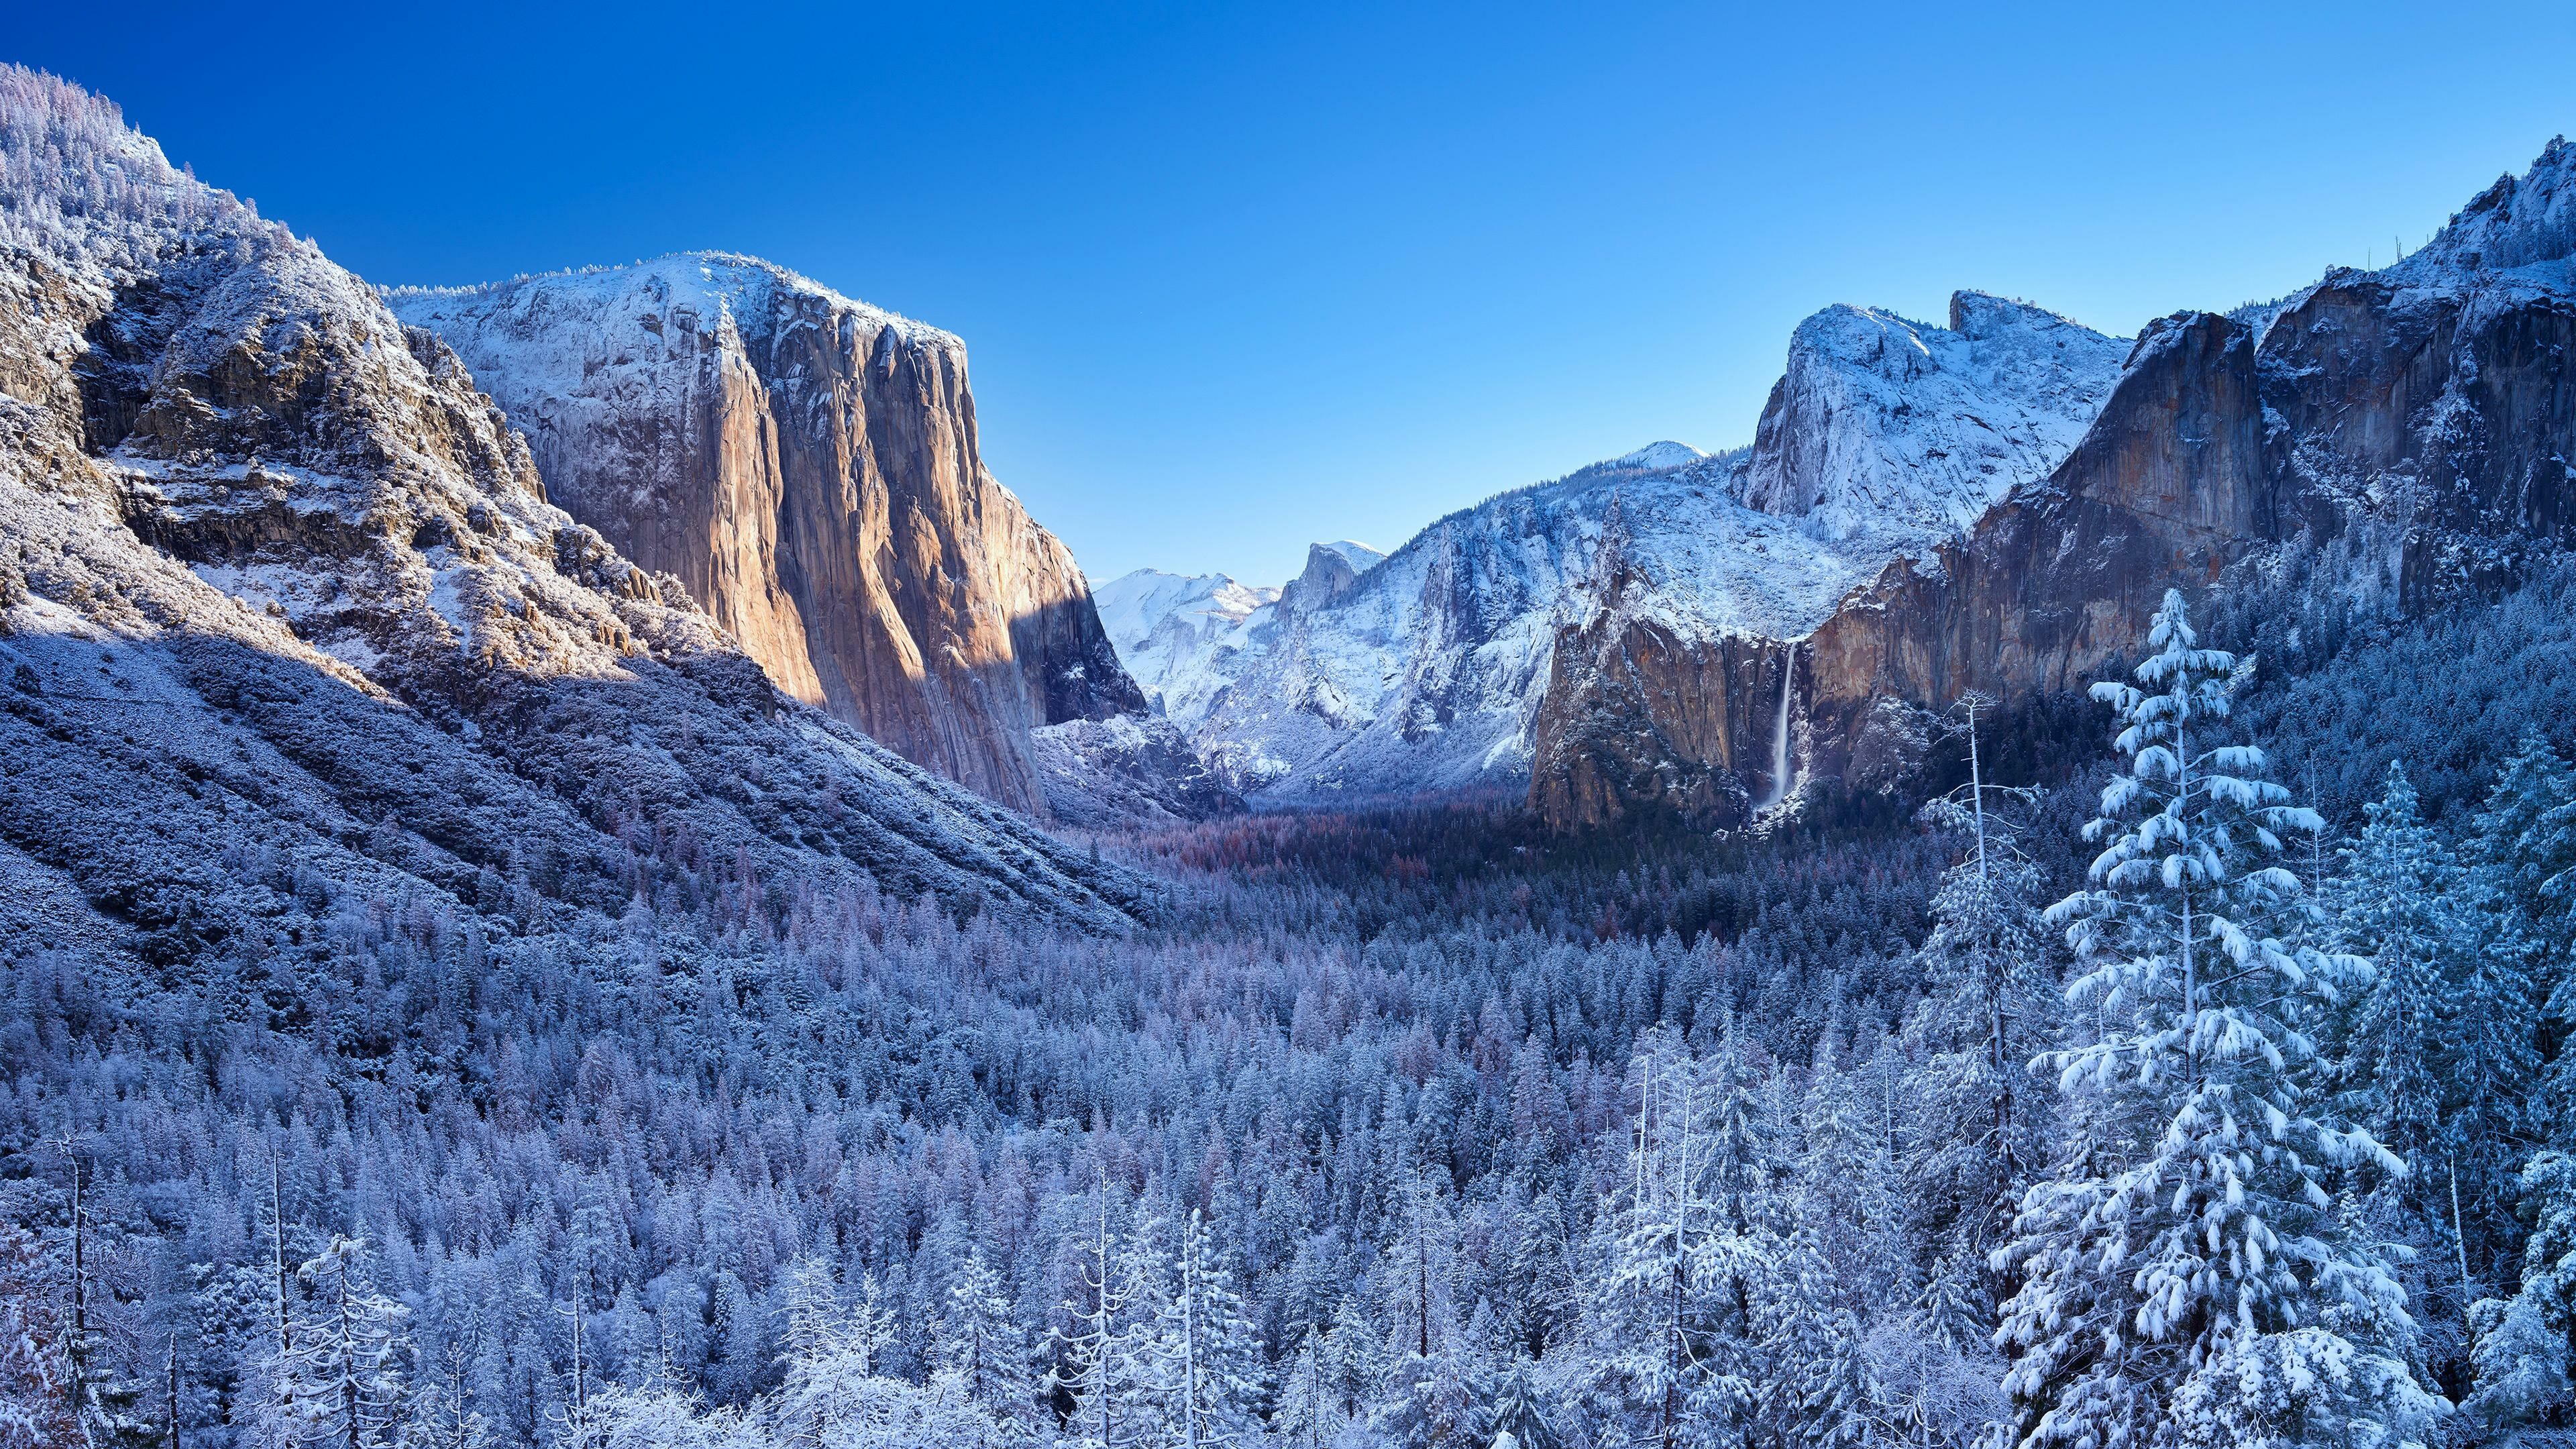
pixel 282 600
pixel 1882 425
pixel 1125 773
pixel 2416 423
pixel 808 468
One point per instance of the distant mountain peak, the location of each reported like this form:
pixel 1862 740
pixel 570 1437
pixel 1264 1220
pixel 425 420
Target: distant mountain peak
pixel 1665 454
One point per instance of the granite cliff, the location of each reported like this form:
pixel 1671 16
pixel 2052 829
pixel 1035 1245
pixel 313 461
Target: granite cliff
pixel 2409 427
pixel 286 619
pixel 808 467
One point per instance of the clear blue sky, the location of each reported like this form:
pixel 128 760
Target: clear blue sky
pixel 1237 277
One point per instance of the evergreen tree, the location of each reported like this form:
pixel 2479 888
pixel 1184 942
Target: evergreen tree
pixel 36 1406
pixel 342 1379
pixel 1307 1417
pixel 2187 1255
pixel 1210 1354
pixel 2439 1051
pixel 2526 1345
pixel 1670 1333
pixel 982 1345
pixel 1096 1349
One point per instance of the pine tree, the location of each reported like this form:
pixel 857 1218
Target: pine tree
pixel 342 1380
pixel 830 1356
pixel 2439 1051
pixel 981 1343
pixel 36 1407
pixel 1518 1419
pixel 1210 1354
pixel 1309 1414
pixel 1096 1357
pixel 2526 1346
pixel 1670 1333
pixel 2188 1253
pixel 1990 1007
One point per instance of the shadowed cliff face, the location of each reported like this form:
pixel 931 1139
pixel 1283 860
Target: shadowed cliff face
pixel 2421 418
pixel 808 467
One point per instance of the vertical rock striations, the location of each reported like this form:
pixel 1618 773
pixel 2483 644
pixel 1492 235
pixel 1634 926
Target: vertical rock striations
pixel 281 592
pixel 2416 424
pixel 808 467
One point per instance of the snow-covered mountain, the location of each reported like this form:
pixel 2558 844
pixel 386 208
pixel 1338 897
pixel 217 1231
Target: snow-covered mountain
pixel 1175 633
pixel 809 467
pixel 1425 670
pixel 284 610
pixel 1885 426
pixel 2404 434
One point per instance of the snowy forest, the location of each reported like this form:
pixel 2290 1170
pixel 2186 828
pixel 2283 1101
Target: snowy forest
pixel 2194 1073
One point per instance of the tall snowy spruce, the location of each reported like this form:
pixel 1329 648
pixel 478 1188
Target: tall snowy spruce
pixel 2439 1053
pixel 1671 1331
pixel 1991 1004
pixel 2185 1276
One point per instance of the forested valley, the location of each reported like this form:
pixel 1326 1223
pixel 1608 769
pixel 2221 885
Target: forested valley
pixel 2191 1069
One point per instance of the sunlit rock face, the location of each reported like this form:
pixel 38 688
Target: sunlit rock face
pixel 2409 429
pixel 808 467
pixel 282 599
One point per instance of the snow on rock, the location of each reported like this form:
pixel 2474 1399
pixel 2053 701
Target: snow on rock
pixel 1125 773
pixel 809 467
pixel 1885 426
pixel 2523 221
pixel 278 585
pixel 1666 454
pixel 1424 669
pixel 1371 675
pixel 1178 634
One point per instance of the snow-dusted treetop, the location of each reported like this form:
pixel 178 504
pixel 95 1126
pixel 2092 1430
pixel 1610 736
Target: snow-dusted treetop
pixel 81 186
pixel 2517 222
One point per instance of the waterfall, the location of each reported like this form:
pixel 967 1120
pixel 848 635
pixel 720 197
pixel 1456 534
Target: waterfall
pixel 1780 736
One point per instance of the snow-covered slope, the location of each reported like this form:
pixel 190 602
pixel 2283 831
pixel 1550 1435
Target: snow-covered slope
pixel 282 600
pixel 1178 633
pixel 1424 670
pixel 1885 426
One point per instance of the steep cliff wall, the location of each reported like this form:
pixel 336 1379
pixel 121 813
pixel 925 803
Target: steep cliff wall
pixel 2421 418
pixel 277 584
pixel 808 467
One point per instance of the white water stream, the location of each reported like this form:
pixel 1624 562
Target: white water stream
pixel 1780 738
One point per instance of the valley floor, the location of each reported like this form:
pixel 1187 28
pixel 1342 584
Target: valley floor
pixel 1415 1127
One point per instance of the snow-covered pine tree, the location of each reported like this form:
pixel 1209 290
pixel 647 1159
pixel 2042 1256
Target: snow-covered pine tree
pixel 1355 1359
pixel 2438 1054
pixel 1210 1354
pixel 1309 1414
pixel 1518 1418
pixel 1094 1348
pixel 2186 1265
pixel 2526 1346
pixel 35 1395
pixel 1433 1393
pixel 830 1386
pixel 1669 1333
pixel 2525 871
pixel 343 1378
pixel 1991 1005
pixel 982 1344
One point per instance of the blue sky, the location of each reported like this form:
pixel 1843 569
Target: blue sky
pixel 1234 278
